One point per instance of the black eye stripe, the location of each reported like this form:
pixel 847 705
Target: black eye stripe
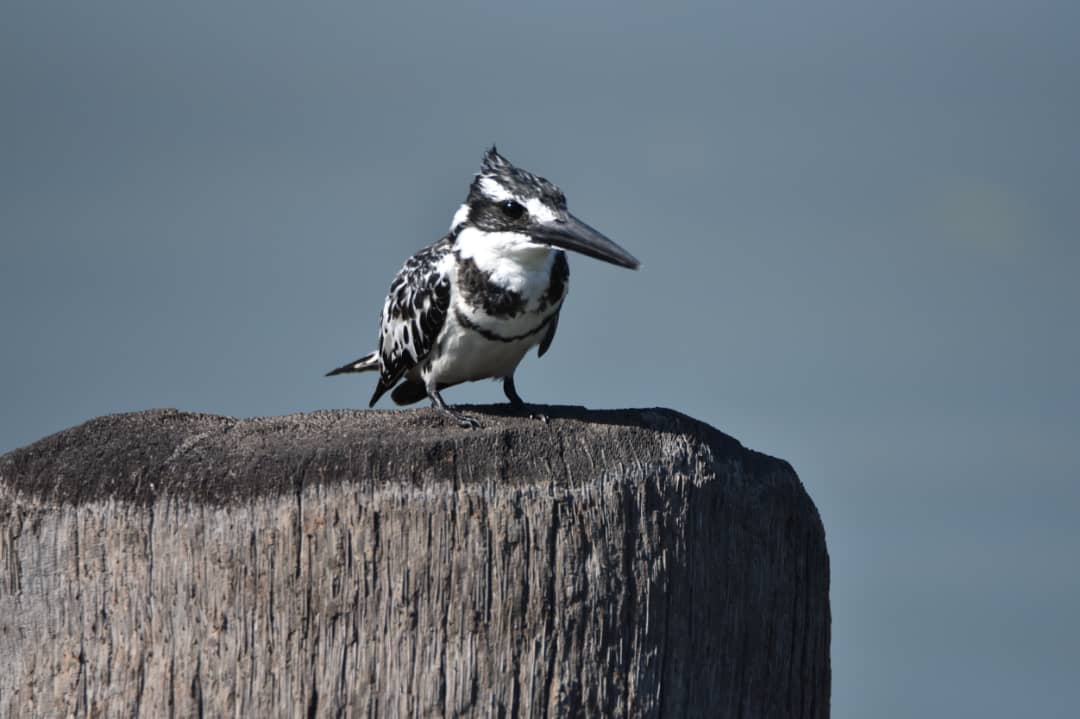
pixel 512 209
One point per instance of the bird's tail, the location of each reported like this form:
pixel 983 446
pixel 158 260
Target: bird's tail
pixel 365 363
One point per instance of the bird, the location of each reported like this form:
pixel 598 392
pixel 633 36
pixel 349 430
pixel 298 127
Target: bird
pixel 471 305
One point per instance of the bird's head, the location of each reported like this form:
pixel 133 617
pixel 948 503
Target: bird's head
pixel 507 201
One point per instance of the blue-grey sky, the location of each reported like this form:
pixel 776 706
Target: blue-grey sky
pixel 857 223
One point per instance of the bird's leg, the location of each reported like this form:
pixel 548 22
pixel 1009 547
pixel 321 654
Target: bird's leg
pixel 463 420
pixel 515 399
pixel 511 392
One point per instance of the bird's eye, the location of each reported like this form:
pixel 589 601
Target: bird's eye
pixel 513 210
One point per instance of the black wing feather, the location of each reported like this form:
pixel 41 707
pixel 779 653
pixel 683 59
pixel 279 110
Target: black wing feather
pixel 546 342
pixel 556 292
pixel 413 315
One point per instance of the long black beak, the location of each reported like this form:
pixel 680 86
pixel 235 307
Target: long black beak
pixel 570 233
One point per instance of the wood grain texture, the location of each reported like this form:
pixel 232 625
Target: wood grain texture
pixel 605 563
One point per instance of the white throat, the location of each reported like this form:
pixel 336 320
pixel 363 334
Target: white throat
pixel 511 258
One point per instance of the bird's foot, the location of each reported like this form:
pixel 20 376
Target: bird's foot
pixel 467 422
pixel 462 420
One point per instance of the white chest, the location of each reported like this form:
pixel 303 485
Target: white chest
pixel 465 355
pixel 500 306
pixel 511 261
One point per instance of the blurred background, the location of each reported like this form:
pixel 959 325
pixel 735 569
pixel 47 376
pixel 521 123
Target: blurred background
pixel 857 223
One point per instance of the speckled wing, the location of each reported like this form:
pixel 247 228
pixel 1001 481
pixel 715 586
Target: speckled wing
pixel 413 315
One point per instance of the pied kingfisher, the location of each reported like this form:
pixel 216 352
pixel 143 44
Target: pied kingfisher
pixel 471 305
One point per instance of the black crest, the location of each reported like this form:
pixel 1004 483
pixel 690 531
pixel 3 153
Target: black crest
pixel 519 182
pixel 494 163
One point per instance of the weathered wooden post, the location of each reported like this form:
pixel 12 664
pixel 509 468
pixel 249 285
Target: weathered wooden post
pixel 605 563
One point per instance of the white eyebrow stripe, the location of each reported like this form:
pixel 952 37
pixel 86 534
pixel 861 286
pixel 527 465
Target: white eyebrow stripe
pixel 493 190
pixel 539 211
